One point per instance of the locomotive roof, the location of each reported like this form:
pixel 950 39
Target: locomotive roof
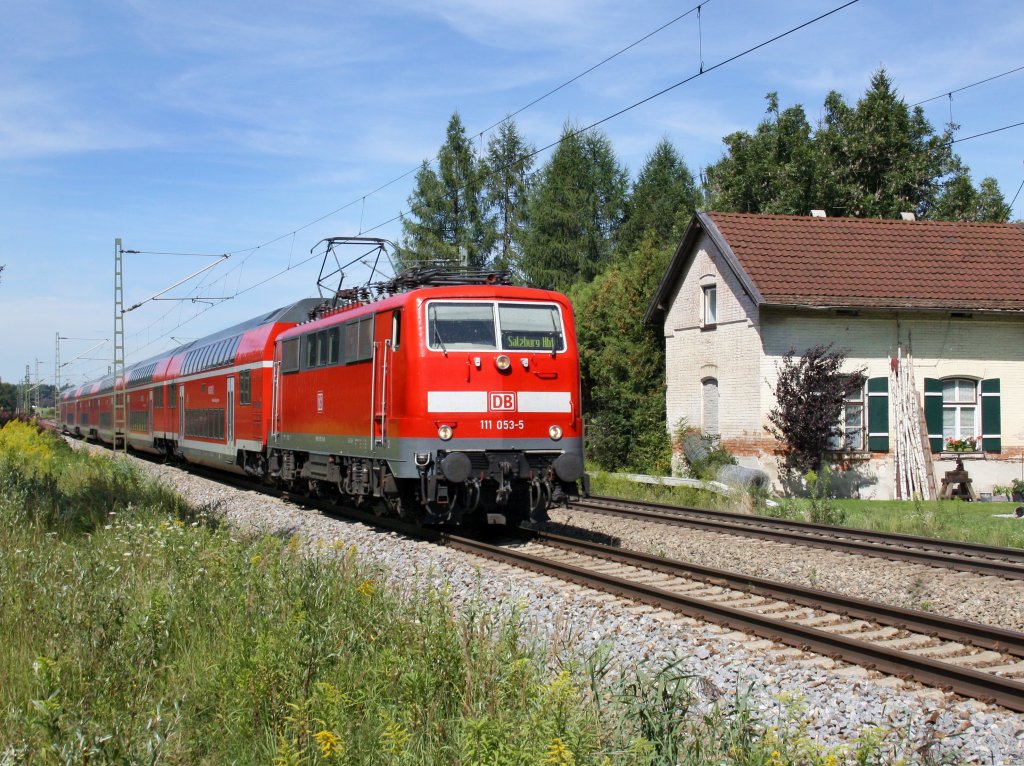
pixel 353 310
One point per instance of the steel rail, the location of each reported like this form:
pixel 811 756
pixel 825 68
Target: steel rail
pixel 970 683
pixel 964 681
pixel 898 538
pixel 1007 563
pixel 915 621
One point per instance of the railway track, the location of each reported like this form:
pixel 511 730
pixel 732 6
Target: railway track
pixel 969 659
pixel 987 560
pixel 973 660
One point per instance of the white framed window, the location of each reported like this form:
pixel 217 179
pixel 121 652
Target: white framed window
pixel 853 422
pixel 709 314
pixel 960 405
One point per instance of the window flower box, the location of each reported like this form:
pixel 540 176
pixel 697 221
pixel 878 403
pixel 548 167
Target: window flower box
pixel 950 455
pixel 965 444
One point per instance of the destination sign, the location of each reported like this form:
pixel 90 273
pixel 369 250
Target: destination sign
pixel 529 341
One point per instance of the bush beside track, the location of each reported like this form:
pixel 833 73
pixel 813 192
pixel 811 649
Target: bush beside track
pixel 135 629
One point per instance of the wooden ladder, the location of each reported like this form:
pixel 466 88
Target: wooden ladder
pixel 927 446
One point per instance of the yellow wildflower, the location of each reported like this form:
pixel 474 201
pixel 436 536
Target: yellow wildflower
pixel 330 744
pixel 559 754
pixel 394 737
pixel 365 589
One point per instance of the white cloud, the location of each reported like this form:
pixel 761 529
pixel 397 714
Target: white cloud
pixel 36 121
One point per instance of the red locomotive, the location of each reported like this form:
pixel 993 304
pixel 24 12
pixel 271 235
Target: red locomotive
pixel 443 399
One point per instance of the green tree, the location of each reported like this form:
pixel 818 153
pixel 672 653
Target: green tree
pixel 809 394
pixel 662 201
pixel 771 171
pixel 879 158
pixel 575 209
pixel 8 396
pixel 961 201
pixel 992 205
pixel 507 186
pixel 622 363
pixel 448 209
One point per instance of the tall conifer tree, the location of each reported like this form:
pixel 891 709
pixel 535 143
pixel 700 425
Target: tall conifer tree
pixel 448 212
pixel 662 201
pixel 575 209
pixel 509 176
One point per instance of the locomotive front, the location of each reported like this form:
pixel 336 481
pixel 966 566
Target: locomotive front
pixel 497 395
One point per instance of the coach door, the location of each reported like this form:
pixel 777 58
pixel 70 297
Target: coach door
pixel 181 413
pixel 231 411
pixel 385 338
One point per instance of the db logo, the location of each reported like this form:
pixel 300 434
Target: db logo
pixel 501 401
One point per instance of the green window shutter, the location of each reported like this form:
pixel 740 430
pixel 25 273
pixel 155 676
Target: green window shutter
pixel 933 412
pixel 878 414
pixel 991 420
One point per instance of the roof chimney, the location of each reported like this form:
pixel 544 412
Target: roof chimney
pixel 908 216
pixel 817 214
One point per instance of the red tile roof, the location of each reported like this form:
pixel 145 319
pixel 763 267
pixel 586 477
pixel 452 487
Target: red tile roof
pixel 864 263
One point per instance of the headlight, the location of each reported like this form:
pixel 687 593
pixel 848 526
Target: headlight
pixel 445 433
pixel 555 432
pixel 502 362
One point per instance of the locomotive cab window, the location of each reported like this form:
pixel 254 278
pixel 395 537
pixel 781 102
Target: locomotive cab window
pixel 290 355
pixel 520 327
pixel 311 354
pixel 460 326
pixel 530 327
pixel 359 340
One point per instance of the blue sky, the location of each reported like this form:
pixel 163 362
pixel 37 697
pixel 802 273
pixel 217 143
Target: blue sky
pixel 201 127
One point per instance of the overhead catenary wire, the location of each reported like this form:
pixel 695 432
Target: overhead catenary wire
pixel 950 93
pixel 702 71
pixel 1014 200
pixel 658 94
pixel 521 109
pixel 986 133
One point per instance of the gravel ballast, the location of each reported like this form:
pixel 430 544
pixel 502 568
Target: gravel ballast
pixel 964 595
pixel 842 701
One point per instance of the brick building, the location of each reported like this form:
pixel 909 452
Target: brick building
pixel 743 289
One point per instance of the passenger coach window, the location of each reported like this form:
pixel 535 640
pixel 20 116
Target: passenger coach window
pixel 245 387
pixel 460 326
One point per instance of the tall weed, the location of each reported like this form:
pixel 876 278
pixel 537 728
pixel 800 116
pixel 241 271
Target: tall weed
pixel 134 632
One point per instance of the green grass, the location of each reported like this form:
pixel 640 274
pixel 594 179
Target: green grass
pixel 611 485
pixel 142 632
pixel 945 519
pixel 942 519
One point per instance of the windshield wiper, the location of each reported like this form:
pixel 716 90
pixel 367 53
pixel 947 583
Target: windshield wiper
pixel 437 335
pixel 554 335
